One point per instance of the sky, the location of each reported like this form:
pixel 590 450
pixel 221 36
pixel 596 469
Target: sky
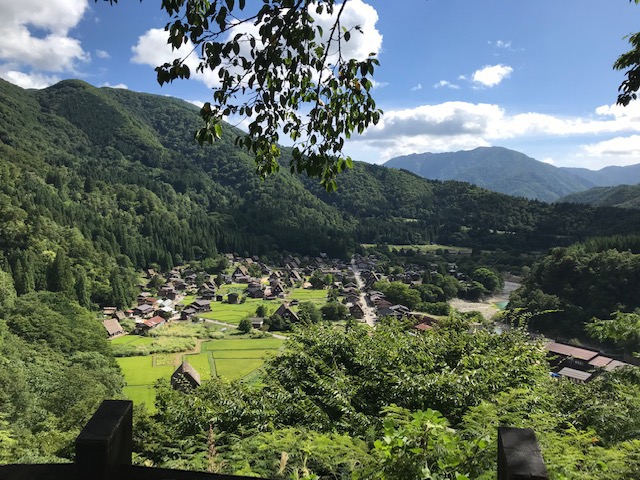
pixel 535 77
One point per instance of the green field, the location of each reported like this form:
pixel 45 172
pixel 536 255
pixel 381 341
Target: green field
pixel 187 300
pixel 132 340
pixel 233 369
pixel 142 395
pixel 202 363
pixel 319 297
pixel 231 358
pixel 425 248
pixel 232 288
pixel 232 313
pixel 243 344
pixel 140 370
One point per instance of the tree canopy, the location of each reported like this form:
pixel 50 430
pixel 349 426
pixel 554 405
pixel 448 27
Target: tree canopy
pixel 631 61
pixel 282 71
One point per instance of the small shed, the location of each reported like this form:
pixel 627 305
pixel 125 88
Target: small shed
pixel 257 322
pixel 575 376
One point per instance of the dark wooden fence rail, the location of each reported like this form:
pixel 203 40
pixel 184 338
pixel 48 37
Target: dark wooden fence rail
pixel 104 447
pixel 519 455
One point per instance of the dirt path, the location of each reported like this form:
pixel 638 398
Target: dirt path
pixel 177 358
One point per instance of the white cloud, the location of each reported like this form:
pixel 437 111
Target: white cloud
pixel 197 103
pixel 461 125
pixel 356 13
pixel 152 48
pixel 102 54
pixel 376 84
pixel 626 147
pixel 548 160
pixel 416 88
pixel 444 83
pixel 491 75
pixel 25 80
pixel 50 47
pixel 117 85
pixel 503 44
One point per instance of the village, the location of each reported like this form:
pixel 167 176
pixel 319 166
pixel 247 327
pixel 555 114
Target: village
pixel 352 283
pixel 186 294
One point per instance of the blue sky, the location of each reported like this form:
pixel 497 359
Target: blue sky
pixel 454 75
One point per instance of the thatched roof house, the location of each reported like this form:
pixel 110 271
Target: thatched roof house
pixel 185 377
pixel 113 327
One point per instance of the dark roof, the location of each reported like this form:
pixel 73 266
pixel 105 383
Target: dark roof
pixel 284 310
pixel 569 351
pixel 575 374
pixel 615 364
pixel 186 371
pixel 600 361
pixel 144 308
pixel 201 303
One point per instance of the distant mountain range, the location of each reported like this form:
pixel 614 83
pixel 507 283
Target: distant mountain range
pixel 514 173
pixel 623 196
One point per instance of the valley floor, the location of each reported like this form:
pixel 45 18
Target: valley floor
pixel 489 306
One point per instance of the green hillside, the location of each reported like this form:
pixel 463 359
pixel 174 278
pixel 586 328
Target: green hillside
pixel 96 182
pixel 623 196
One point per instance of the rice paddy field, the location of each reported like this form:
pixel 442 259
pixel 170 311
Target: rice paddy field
pixel 319 297
pixel 231 358
pixel 233 313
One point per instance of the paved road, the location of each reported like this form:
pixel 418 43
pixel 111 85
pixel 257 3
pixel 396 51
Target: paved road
pixel 369 313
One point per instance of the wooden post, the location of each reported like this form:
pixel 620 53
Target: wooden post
pixel 519 456
pixel 106 441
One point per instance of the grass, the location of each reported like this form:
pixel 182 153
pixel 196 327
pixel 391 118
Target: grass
pixel 188 330
pixel 140 371
pixel 319 297
pixel 232 288
pixel 233 313
pixel 239 354
pixel 187 300
pixel 232 358
pixel 425 248
pixel 132 340
pixel 201 363
pixel 234 369
pixel 142 395
pixel 150 345
pixel 243 344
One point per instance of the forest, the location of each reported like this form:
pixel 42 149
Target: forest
pixel 95 183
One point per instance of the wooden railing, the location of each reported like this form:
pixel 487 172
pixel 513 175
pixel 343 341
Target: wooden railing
pixel 104 448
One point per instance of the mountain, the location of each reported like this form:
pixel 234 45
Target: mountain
pixel 623 196
pixel 498 169
pixel 608 176
pixel 96 182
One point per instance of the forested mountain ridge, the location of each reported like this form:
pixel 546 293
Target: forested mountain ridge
pixel 623 196
pixel 497 169
pixel 608 176
pixel 98 181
